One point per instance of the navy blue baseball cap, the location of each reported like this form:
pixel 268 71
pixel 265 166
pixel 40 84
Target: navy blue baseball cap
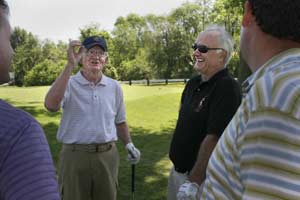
pixel 92 41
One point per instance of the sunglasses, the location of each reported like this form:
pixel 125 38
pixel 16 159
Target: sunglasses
pixel 204 49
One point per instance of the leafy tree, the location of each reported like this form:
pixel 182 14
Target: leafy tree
pixel 184 25
pixel 44 73
pixel 229 13
pixel 28 53
pixel 137 68
pixel 128 38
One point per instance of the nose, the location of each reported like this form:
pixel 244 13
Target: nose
pixel 196 52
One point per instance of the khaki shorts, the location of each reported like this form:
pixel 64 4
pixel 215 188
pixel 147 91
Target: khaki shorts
pixel 88 172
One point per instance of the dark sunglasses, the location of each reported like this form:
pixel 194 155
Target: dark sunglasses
pixel 204 49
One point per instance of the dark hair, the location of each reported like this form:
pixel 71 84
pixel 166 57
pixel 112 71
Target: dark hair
pixel 279 18
pixel 3 4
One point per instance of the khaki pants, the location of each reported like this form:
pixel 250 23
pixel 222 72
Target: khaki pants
pixel 176 179
pixel 88 172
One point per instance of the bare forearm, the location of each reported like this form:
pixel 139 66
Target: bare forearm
pixel 199 170
pixel 123 132
pixel 56 92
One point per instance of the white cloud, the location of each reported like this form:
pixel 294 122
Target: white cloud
pixel 61 19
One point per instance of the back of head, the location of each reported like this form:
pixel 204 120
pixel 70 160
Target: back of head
pixel 3 10
pixel 279 18
pixel 224 39
pixel 6 51
pixel 3 5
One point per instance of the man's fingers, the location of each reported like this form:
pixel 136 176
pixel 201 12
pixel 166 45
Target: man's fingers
pixel 74 43
pixel 82 50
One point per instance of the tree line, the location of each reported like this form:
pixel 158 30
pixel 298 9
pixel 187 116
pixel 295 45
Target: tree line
pixel 140 47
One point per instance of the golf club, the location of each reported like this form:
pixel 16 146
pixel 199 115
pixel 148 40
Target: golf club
pixel 132 180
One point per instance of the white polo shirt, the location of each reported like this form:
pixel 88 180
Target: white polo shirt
pixel 90 112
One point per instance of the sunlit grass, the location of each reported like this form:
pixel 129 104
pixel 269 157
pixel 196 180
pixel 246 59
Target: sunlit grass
pixel 151 115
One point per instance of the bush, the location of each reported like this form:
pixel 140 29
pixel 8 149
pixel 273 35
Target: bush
pixel 43 73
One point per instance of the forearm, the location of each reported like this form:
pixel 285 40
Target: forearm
pixel 198 172
pixel 123 132
pixel 56 92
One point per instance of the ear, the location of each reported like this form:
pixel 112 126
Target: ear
pixel 248 18
pixel 222 56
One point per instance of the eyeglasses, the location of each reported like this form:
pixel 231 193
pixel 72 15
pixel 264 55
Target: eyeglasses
pixel 96 53
pixel 204 49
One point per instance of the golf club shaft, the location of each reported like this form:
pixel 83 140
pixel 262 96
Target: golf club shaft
pixel 132 180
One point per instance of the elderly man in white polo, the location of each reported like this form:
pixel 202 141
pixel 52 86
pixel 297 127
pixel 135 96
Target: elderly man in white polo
pixel 93 118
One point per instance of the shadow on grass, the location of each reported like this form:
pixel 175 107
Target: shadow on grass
pixel 50 131
pixel 151 179
pixel 151 172
pixel 40 111
pixel 35 108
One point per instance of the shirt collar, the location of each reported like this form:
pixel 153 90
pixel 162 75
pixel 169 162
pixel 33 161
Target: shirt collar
pixel 273 64
pixel 216 76
pixel 83 81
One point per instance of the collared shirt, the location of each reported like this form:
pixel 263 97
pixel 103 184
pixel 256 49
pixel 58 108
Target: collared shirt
pixel 26 166
pixel 91 112
pixel 258 156
pixel 206 108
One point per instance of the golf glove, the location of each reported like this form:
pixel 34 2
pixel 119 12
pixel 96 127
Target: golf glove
pixel 188 191
pixel 134 154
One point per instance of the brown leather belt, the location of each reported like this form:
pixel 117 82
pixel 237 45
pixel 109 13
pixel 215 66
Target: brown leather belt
pixel 91 148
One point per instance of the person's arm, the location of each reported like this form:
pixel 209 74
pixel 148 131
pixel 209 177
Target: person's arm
pixel 57 90
pixel 123 133
pixel 223 106
pixel 198 172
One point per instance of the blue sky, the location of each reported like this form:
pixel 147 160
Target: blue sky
pixel 61 19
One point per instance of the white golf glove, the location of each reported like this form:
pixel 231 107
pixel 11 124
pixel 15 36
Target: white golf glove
pixel 134 154
pixel 188 191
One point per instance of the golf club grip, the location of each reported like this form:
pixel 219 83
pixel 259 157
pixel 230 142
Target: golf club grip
pixel 133 178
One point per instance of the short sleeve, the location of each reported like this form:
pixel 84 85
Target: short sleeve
pixel 121 114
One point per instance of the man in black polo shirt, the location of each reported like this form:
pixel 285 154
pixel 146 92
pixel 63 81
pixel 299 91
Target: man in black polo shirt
pixel 208 103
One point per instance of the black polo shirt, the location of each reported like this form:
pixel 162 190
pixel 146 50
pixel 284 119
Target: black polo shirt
pixel 206 108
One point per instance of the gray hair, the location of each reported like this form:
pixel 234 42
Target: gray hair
pixel 224 39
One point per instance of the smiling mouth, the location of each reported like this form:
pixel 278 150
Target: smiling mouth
pixel 95 62
pixel 199 59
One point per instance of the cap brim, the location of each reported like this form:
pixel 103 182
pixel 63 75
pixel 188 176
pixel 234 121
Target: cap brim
pixel 95 44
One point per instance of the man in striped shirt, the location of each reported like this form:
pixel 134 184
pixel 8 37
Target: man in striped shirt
pixel 258 156
pixel 26 166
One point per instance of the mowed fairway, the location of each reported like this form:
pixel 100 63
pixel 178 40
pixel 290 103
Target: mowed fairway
pixel 151 115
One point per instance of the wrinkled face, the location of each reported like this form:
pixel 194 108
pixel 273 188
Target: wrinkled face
pixel 6 52
pixel 94 59
pixel 207 63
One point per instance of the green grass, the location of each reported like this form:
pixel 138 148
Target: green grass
pixel 151 115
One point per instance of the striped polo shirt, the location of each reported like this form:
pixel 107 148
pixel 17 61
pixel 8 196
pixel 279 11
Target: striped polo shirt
pixel 91 111
pixel 26 166
pixel 258 156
